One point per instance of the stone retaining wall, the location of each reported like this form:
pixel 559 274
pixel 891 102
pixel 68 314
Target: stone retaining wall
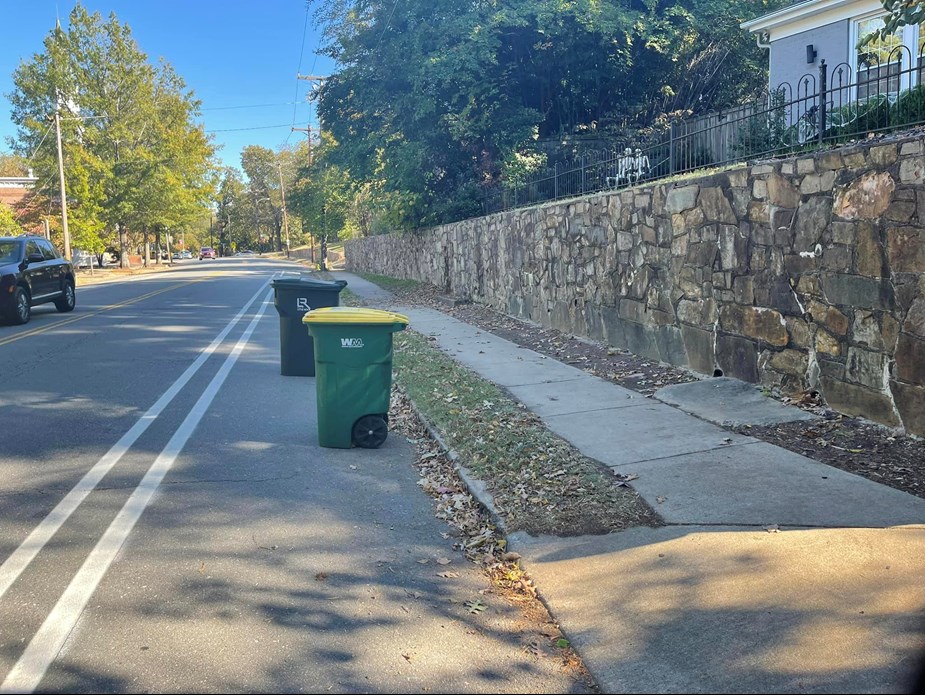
pixel 804 273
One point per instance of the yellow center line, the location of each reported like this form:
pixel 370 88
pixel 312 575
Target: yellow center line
pixel 81 317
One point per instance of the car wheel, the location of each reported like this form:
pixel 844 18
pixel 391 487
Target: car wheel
pixel 68 300
pixel 21 312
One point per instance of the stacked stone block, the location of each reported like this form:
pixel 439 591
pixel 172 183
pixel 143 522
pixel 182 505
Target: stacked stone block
pixel 802 274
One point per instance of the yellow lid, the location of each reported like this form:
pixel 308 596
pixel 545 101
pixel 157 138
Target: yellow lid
pixel 353 315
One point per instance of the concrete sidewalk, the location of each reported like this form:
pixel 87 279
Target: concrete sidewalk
pixel 773 573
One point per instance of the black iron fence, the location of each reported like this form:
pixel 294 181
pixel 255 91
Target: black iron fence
pixel 885 93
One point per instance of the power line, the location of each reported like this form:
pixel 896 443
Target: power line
pixel 301 55
pixel 250 106
pixel 386 27
pixel 258 127
pixel 36 150
pixel 85 118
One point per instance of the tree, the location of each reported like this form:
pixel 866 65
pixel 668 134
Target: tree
pixel 230 207
pixel 322 195
pixel 13 165
pixel 436 102
pixel 138 158
pixel 260 166
pixel 8 224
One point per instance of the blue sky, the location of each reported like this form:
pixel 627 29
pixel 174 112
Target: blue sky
pixel 231 53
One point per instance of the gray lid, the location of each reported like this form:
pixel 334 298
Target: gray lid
pixel 307 283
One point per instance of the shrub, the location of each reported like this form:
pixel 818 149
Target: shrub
pixel 909 109
pixel 860 118
pixel 766 132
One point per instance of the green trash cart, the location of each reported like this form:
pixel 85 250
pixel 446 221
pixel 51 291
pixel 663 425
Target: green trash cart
pixel 353 369
pixel 294 297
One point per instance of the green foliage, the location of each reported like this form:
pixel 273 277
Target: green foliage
pixel 131 143
pixel 8 224
pixel 231 213
pixel 899 13
pixel 13 165
pixel 910 107
pixel 766 132
pixel 322 196
pixel 436 102
pixel 86 184
pixel 860 117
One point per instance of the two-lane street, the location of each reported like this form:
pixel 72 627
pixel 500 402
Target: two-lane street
pixel 168 522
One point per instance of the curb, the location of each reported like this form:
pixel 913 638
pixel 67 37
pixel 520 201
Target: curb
pixel 476 487
pixel 478 490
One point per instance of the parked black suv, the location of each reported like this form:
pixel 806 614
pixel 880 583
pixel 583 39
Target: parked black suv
pixel 33 272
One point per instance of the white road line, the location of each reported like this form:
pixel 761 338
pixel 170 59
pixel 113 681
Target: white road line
pixel 17 562
pixel 28 672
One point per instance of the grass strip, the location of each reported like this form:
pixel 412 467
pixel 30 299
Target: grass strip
pixel 395 285
pixel 539 482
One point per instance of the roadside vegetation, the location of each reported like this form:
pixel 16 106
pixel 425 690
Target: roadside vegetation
pixel 538 482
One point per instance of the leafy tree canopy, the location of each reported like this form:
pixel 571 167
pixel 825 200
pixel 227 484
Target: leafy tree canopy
pixel 134 155
pixel 433 101
pixel 8 223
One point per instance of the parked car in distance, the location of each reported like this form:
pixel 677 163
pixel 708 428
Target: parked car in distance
pixel 186 254
pixel 206 252
pixel 245 252
pixel 175 256
pixel 83 259
pixel 32 272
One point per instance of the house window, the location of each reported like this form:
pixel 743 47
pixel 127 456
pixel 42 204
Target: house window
pixel 877 64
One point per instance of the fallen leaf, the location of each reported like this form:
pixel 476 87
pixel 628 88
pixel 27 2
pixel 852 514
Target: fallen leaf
pixel 475 606
pixel 423 562
pixel 443 561
pixel 321 576
pixel 660 499
pixel 448 575
pixel 551 631
pixel 773 528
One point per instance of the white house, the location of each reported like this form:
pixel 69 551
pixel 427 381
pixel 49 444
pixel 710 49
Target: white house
pixel 800 36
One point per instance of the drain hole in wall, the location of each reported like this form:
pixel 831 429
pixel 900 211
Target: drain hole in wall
pixel 717 372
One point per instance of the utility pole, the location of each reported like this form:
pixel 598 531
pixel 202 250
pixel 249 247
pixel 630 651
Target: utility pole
pixel 67 235
pixel 324 238
pixel 309 132
pixel 282 190
pixel 311 237
pixel 257 227
pixel 310 78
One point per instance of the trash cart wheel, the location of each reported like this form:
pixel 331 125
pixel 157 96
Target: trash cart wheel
pixel 370 431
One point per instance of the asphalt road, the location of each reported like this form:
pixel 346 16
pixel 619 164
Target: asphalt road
pixel 168 522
